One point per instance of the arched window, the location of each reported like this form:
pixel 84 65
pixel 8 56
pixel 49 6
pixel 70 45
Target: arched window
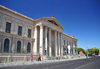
pixel 28 48
pixel 6 45
pixel 18 47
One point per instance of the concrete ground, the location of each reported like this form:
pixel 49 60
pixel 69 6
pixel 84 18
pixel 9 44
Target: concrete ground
pixel 90 63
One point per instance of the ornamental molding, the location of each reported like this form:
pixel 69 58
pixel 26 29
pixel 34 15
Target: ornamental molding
pixel 9 19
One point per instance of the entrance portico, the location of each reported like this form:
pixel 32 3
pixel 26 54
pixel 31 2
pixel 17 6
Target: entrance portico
pixel 47 40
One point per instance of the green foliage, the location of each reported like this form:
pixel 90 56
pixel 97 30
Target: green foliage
pixel 96 51
pixel 81 49
pixel 93 51
pixel 85 52
pixel 90 51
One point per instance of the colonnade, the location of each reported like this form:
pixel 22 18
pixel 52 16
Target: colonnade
pixel 46 41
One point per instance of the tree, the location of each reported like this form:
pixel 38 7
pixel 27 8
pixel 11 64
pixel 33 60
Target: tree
pixel 81 49
pixel 90 51
pixel 93 51
pixel 96 51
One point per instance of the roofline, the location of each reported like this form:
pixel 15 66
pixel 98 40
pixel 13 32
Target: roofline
pixel 5 8
pixel 69 36
pixel 50 18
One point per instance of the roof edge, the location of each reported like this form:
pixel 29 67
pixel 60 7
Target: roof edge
pixel 5 8
pixel 69 36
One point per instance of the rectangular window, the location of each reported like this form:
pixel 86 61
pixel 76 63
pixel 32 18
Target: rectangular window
pixel 29 33
pixel 8 27
pixel 75 43
pixel 64 42
pixel 20 30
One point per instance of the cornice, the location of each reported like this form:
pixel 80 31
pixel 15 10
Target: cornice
pixel 69 36
pixel 15 36
pixel 14 12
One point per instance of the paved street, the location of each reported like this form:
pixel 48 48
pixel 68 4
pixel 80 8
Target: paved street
pixel 91 63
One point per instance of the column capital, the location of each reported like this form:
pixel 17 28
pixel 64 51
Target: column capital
pixel 35 26
pixel 41 26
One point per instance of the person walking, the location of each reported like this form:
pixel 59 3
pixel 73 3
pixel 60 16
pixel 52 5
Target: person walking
pixel 39 59
pixel 31 56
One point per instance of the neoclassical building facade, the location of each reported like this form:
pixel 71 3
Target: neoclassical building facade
pixel 21 34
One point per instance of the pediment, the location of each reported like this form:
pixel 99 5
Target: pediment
pixel 52 20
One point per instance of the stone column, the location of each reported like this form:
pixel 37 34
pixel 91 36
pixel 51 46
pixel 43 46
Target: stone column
pixel 41 40
pixel 76 48
pixel 69 52
pixel 0 45
pixel 35 42
pixel 55 43
pixel 46 40
pixel 73 51
pixel 59 43
pixel 61 46
pixel 50 53
pixel 0 23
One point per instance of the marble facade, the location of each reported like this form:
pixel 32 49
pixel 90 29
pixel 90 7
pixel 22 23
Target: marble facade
pixel 46 38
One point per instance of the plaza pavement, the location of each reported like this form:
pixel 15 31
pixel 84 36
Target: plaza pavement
pixel 36 62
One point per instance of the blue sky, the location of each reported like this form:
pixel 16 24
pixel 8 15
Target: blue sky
pixel 80 18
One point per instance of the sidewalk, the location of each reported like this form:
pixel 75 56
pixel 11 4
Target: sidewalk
pixel 35 62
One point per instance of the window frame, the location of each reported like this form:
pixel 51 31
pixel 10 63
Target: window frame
pixel 20 30
pixel 29 33
pixel 8 27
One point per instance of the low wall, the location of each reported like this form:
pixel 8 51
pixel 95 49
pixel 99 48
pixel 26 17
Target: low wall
pixel 15 57
pixel 5 58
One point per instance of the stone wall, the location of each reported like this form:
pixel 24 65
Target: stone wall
pixel 13 42
pixel 12 57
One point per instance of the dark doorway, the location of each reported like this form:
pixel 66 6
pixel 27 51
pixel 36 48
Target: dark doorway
pixel 6 45
pixel 18 47
pixel 28 48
